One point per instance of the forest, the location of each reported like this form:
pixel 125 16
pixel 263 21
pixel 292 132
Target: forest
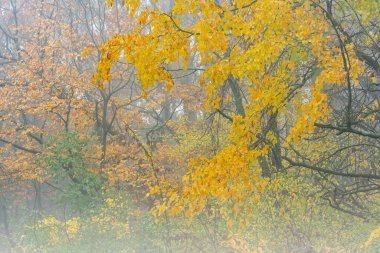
pixel 231 126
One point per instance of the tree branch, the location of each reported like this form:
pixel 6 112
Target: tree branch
pixel 32 151
pixel 332 172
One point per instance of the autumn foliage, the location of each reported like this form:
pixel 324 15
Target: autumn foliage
pixel 189 126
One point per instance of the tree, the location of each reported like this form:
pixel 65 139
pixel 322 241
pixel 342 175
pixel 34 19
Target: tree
pixel 346 163
pixel 275 67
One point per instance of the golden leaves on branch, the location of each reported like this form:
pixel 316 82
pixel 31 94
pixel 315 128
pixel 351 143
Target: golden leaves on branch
pixel 267 56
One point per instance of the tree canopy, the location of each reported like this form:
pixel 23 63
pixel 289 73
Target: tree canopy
pixel 189 126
